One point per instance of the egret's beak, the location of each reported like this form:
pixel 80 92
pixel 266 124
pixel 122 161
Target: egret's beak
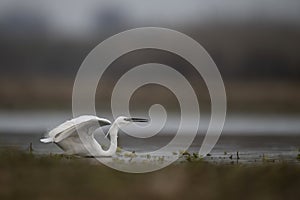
pixel 133 119
pixel 137 120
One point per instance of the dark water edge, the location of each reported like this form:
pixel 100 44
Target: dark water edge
pixel 229 148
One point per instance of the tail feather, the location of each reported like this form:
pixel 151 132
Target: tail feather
pixel 46 140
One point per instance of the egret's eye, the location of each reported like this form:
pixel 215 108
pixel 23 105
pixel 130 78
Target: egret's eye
pixel 127 119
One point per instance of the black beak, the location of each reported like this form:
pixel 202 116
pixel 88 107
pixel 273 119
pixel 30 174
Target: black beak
pixel 137 120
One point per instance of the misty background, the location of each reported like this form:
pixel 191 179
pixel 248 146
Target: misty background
pixel 255 45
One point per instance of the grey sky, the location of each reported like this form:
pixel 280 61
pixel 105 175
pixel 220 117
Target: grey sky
pixel 77 15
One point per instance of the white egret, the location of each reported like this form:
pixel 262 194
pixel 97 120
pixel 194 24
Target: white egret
pixel 67 138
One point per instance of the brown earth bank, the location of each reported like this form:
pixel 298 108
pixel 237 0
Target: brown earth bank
pixel 28 176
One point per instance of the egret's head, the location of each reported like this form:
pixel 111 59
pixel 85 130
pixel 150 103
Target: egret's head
pixel 127 120
pixel 122 121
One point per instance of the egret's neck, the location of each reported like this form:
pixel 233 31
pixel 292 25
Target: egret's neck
pixel 113 133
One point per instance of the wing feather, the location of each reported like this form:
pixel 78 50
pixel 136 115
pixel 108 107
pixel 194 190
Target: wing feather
pixel 68 128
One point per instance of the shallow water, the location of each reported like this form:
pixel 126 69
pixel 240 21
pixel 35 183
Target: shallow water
pixel 257 138
pixel 252 149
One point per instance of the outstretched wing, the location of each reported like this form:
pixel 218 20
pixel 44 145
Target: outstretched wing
pixel 68 128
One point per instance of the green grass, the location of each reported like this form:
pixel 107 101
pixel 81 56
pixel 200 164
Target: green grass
pixel 29 176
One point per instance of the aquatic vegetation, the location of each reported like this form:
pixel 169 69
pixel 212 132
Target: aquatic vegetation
pixel 191 157
pixel 263 157
pixel 231 156
pixel 195 155
pixel 30 148
pixel 266 159
pixel 63 156
pixel 118 160
pixel 119 150
pixel 127 154
pixel 186 153
pixel 130 155
pixel 182 152
pixel 298 157
pixel 161 159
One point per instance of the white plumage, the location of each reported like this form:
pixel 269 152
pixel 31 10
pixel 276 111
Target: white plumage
pixel 67 128
pixel 67 138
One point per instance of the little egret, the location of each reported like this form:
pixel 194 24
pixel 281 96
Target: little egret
pixel 67 138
